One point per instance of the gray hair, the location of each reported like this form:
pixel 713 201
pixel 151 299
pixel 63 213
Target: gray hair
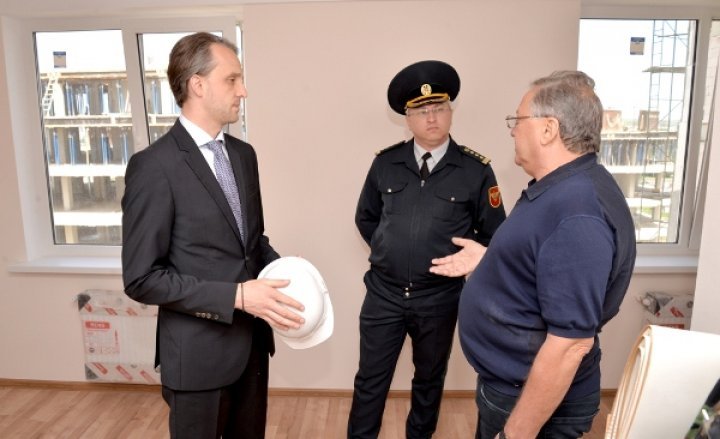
pixel 569 97
pixel 190 56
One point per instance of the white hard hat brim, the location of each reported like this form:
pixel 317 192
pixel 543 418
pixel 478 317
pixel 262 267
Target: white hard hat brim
pixel 290 267
pixel 322 331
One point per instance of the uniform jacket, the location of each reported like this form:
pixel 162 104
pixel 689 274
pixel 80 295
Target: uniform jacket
pixel 182 251
pixel 407 225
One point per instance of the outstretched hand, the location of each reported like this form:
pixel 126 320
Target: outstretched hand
pixel 261 298
pixel 461 263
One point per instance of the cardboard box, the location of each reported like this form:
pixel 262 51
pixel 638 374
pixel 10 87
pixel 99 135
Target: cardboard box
pixel 673 311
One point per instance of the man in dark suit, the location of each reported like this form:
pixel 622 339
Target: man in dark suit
pixel 194 243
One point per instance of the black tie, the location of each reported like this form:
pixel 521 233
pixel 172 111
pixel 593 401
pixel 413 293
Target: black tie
pixel 424 171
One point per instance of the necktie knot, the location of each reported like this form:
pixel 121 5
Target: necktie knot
pixel 215 147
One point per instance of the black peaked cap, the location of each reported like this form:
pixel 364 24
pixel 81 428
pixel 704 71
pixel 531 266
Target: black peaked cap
pixel 410 85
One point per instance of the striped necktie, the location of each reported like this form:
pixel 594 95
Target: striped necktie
pixel 226 178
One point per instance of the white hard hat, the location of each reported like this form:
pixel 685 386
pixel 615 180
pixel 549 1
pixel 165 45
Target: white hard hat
pixel 307 287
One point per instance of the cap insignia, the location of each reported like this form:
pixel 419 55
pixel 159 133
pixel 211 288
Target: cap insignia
pixel 426 89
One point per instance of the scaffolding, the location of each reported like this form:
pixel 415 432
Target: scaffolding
pixel 670 53
pixel 659 193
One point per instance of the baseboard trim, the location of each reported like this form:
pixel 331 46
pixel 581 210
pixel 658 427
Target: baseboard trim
pixel 290 392
pixel 347 393
pixel 78 385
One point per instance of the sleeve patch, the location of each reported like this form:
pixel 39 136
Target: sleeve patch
pixel 494 197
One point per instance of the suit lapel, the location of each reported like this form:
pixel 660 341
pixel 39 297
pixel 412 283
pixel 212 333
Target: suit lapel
pixel 196 161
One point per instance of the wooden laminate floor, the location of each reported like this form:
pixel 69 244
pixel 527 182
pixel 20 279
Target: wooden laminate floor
pixel 36 411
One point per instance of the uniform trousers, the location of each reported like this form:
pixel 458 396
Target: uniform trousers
pixel 386 317
pixel 236 411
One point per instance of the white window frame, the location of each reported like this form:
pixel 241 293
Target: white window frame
pixel 680 257
pixel 42 254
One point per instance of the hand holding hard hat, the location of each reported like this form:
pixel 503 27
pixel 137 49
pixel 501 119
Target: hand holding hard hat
pixel 307 287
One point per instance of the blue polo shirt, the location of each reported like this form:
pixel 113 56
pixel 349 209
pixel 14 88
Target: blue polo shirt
pixel 559 264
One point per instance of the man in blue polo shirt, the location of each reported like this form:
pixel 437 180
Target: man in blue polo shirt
pixel 555 272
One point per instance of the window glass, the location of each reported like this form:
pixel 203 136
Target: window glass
pixel 162 111
pixel 87 132
pixel 643 72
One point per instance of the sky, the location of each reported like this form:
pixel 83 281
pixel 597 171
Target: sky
pixel 621 83
pixel 101 50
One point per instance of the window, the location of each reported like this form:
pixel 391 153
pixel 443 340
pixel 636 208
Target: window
pixel 93 116
pixel 643 71
pixel 87 131
pixel 652 137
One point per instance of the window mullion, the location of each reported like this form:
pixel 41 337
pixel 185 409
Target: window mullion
pixel 135 86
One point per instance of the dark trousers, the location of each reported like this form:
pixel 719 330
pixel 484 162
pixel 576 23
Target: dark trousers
pixel 570 420
pixel 387 316
pixel 235 411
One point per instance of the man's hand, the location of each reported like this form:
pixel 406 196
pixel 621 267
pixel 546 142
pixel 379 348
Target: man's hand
pixel 461 263
pixel 261 298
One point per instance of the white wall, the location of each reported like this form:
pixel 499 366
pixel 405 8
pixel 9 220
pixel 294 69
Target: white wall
pixel 317 75
pixel 318 112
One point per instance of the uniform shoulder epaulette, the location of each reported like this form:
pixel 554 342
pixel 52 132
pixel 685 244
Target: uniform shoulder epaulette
pixel 391 147
pixel 474 154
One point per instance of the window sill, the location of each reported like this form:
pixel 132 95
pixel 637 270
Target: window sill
pixel 665 264
pixel 69 265
pixel 112 266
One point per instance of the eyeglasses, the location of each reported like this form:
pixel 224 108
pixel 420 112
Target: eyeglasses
pixel 426 111
pixel 512 121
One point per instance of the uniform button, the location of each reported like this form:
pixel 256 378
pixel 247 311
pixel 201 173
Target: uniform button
pixel 389 190
pixel 215 316
pixel 407 294
pixel 452 198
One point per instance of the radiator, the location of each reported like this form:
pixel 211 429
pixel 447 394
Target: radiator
pixel 118 336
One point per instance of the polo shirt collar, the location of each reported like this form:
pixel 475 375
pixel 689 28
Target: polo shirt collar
pixel 584 162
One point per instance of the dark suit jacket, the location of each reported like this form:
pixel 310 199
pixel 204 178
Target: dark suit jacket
pixel 182 251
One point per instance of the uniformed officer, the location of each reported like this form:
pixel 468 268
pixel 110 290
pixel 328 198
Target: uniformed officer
pixel 417 196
